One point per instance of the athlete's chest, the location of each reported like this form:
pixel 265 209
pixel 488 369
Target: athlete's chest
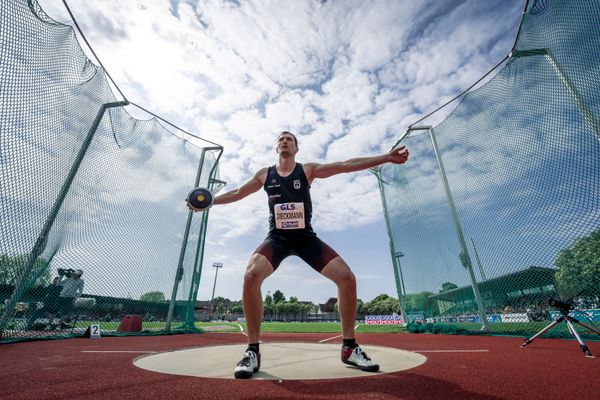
pixel 294 183
pixel 288 183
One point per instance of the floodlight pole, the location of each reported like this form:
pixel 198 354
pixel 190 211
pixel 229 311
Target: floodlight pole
pixel 216 266
pixel 42 239
pixel 464 254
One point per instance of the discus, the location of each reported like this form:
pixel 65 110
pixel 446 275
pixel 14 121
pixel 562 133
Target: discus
pixel 199 199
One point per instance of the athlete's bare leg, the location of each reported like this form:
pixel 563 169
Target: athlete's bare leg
pixel 339 272
pixel 258 269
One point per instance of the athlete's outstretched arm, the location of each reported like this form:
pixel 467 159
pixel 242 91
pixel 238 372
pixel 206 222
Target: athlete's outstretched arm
pixel 246 189
pixel 314 170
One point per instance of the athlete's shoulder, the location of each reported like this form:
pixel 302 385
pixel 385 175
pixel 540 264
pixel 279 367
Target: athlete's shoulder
pixel 309 166
pixel 308 169
pixel 262 173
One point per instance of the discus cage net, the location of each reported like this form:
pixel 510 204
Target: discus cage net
pixel 86 186
pixel 497 211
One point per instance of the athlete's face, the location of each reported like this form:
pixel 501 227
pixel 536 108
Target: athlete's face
pixel 286 145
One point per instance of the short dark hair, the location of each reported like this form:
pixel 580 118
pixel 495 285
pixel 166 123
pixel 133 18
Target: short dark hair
pixel 289 133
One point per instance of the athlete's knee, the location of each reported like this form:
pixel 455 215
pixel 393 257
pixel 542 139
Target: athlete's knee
pixel 252 277
pixel 347 279
pixel 344 277
pixel 256 272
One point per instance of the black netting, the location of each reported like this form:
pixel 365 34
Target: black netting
pixel 521 158
pixel 86 186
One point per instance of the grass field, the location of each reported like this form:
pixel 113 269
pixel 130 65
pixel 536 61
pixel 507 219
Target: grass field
pixel 113 326
pixel 274 327
pixel 301 327
pixel 501 329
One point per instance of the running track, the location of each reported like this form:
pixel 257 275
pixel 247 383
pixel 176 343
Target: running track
pixel 102 369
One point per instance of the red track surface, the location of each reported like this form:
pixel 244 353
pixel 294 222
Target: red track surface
pixel 546 369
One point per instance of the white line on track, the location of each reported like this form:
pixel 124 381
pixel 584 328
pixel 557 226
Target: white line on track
pixel 244 333
pixel 241 330
pixel 117 351
pixel 328 339
pixel 335 337
pixel 451 351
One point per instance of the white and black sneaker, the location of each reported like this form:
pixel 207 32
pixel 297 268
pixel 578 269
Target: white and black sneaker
pixel 248 365
pixel 357 357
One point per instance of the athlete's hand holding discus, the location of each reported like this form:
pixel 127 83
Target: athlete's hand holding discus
pixel 199 199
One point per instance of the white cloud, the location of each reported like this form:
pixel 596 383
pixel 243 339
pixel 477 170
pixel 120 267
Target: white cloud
pixel 348 77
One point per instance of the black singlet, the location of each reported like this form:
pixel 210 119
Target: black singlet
pixel 290 206
pixel 290 230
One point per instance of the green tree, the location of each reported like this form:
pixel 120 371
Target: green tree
pixel 292 307
pixel 153 297
pixel 382 304
pixel 446 286
pixel 221 309
pixel 268 308
pixel 390 306
pixel 237 309
pixel 277 309
pixel 381 297
pixel 221 300
pixel 293 299
pixel 268 300
pixel 414 303
pixel 579 267
pixel 278 296
pixel 361 307
pixel 11 267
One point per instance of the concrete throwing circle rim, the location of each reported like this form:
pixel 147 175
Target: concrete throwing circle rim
pixel 279 361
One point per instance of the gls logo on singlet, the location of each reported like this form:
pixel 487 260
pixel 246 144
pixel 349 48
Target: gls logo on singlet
pixel 296 184
pixel 289 215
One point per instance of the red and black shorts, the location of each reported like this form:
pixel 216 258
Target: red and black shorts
pixel 312 250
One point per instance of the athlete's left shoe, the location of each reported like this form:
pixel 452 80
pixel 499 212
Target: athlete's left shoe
pixel 357 357
pixel 249 364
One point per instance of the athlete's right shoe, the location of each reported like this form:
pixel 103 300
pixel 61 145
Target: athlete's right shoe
pixel 248 365
pixel 358 358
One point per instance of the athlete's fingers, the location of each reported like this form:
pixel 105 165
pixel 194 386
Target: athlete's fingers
pixel 399 155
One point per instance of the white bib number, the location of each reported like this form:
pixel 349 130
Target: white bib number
pixel 289 216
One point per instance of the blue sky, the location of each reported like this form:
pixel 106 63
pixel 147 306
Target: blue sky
pixel 347 76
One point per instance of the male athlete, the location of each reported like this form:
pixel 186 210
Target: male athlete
pixel 290 233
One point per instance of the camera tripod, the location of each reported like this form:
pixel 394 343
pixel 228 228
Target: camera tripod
pixel 569 321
